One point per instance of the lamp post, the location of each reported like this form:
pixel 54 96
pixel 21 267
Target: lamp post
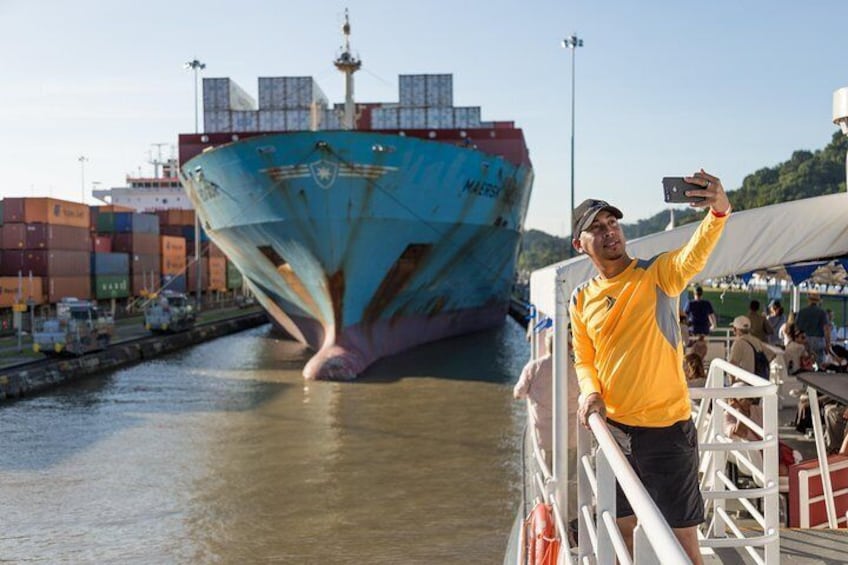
pixel 572 43
pixel 82 159
pixel 196 66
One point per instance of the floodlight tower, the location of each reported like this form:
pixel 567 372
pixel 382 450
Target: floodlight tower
pixel 572 43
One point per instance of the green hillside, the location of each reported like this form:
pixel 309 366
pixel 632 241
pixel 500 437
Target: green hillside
pixel 804 175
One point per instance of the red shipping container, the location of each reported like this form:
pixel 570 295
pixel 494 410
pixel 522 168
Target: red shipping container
pixel 141 284
pixel 806 501
pixel 13 210
pixel 171 217
pixel 101 244
pixel 68 287
pixel 57 237
pixel 144 264
pixel 43 263
pixel 214 250
pixel 136 243
pixel 14 236
pixel 191 270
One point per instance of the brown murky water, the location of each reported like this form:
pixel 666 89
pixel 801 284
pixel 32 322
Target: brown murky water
pixel 222 454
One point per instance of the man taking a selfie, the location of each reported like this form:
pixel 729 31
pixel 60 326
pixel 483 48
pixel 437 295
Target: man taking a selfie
pixel 629 355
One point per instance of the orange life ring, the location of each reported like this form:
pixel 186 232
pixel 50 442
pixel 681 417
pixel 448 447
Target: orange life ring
pixel 542 543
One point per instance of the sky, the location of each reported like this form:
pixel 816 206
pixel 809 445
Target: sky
pixel 662 87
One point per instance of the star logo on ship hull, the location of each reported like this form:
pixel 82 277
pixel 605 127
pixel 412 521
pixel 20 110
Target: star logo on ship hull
pixel 325 172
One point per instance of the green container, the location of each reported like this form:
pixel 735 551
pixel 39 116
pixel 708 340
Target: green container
pixel 106 222
pixel 234 278
pixel 110 286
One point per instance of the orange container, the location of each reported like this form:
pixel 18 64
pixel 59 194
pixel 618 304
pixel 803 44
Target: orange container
pixel 173 264
pixel 172 246
pixel 65 287
pixel 51 211
pixel 217 273
pixel 30 288
pixel 187 217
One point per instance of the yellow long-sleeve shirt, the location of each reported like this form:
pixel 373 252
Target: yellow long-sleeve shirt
pixel 626 333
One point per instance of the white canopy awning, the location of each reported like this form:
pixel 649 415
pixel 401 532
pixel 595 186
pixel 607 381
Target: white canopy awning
pixel 781 234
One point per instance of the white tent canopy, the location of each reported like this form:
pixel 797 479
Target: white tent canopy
pixel 781 234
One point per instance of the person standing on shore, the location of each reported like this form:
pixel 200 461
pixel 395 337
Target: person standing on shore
pixel 629 355
pixel 702 318
pixel 813 321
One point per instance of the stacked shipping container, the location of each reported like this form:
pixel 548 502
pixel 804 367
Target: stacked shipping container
pixel 47 238
pixel 51 249
pixel 137 235
pixel 285 104
pixel 299 104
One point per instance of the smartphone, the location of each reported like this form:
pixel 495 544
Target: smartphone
pixel 674 189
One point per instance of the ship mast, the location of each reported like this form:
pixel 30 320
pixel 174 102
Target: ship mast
pixel 348 64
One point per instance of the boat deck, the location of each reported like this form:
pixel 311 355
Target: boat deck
pixel 796 547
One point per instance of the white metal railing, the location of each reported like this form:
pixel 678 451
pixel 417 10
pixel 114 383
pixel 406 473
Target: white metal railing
pixel 717 488
pixel 599 538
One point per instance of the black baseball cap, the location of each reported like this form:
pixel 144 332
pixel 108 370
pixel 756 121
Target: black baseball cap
pixel 586 212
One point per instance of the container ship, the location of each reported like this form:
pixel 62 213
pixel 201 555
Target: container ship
pixel 363 229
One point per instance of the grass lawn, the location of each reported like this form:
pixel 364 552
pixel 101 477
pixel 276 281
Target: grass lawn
pixel 735 303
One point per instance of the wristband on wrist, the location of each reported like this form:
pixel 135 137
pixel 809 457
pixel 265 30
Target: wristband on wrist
pixel 720 214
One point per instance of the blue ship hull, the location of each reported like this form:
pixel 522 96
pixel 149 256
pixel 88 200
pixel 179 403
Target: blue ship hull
pixel 362 244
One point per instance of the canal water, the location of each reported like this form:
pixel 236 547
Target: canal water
pixel 223 454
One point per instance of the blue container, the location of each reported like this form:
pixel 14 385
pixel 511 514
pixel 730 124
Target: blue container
pixel 110 264
pixel 131 222
pixel 188 233
pixel 177 283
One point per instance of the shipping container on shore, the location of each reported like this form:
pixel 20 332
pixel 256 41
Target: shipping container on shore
pixel 172 245
pixel 101 244
pixel 207 249
pixel 46 211
pixel 45 263
pixel 177 283
pixel 136 243
pixel 144 264
pixel 112 264
pixel 57 237
pixel 191 278
pixel 217 273
pixel 13 289
pixel 127 222
pixel 145 283
pixel 95 212
pixel 13 236
pixel 110 286
pixel 68 287
pixel 234 277
pixel 173 264
pixel 175 217
pixel 186 232
pixel 2 205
